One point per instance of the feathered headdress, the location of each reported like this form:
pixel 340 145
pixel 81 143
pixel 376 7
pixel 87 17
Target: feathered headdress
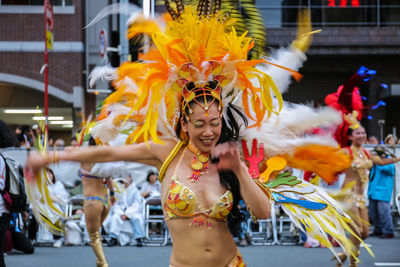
pixel 348 101
pixel 196 46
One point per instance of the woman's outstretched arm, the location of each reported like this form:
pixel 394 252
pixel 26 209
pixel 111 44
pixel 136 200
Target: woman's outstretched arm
pixel 153 154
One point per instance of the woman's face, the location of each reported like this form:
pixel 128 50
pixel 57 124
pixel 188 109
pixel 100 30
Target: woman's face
pixel 152 178
pixel 358 136
pixel 51 176
pixel 204 131
pixel 390 141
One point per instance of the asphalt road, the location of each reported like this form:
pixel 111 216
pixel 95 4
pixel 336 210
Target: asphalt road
pixel 387 254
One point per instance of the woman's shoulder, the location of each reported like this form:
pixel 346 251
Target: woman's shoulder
pixel 163 150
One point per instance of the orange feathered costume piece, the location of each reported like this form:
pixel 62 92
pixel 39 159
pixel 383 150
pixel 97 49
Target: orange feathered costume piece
pixel 325 161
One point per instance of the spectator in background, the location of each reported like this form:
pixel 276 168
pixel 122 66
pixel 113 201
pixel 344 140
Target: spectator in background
pixel 23 133
pixel 22 141
pixel 128 208
pixel 379 193
pixel 238 227
pixel 152 187
pixel 37 135
pixel 15 239
pixel 59 143
pixel 372 140
pixel 7 139
pixel 60 196
pixel 390 139
pixel 74 142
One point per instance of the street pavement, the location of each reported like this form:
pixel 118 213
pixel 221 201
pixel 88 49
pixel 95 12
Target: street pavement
pixel 387 253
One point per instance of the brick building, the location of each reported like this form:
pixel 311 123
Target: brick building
pixel 22 58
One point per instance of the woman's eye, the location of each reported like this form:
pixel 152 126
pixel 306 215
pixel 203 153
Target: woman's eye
pixel 215 123
pixel 198 125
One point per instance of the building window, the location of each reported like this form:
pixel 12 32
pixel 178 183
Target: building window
pixel 35 2
pixel 332 13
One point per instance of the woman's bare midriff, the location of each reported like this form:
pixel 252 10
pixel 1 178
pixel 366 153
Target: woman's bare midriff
pixel 93 187
pixel 351 175
pixel 194 246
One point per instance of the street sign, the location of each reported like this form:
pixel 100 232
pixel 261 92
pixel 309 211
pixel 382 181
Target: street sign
pixel 103 43
pixel 49 39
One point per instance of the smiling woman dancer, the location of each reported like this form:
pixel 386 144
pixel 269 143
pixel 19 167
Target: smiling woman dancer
pixel 195 193
pixel 183 101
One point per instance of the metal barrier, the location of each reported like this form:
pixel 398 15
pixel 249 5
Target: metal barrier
pixel 265 231
pixel 154 239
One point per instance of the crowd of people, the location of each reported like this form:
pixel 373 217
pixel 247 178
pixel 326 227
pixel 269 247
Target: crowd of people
pixel 30 137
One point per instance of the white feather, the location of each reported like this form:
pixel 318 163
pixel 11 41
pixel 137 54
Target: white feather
pixel 117 8
pixel 287 57
pixel 282 133
pixel 103 73
pixel 109 169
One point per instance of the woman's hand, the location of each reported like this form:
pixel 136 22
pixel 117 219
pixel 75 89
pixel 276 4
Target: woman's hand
pixel 229 157
pixel 35 162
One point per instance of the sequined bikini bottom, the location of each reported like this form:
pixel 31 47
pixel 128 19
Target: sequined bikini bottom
pixel 237 261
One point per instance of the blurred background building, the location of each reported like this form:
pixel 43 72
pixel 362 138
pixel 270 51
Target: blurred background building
pixel 354 33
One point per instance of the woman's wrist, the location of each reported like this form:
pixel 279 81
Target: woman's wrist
pixel 241 170
pixel 52 157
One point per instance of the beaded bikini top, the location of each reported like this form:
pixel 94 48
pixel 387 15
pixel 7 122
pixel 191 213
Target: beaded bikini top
pixel 180 202
pixel 361 162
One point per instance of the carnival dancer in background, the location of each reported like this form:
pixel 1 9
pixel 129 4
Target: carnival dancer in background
pixel 362 161
pixel 186 103
pixel 96 206
pixel 352 136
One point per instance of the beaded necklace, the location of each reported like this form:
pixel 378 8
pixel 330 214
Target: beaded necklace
pixel 199 163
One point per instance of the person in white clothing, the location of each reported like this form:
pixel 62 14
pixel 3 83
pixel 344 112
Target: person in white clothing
pixel 60 196
pixel 127 216
pixel 152 187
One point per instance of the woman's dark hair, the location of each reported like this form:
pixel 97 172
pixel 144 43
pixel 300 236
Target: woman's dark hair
pixel 349 133
pixel 230 132
pixel 7 139
pixel 92 142
pixel 150 174
pixel 20 139
pixel 53 180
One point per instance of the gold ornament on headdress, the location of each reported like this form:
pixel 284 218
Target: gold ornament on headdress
pixel 351 118
pixel 192 90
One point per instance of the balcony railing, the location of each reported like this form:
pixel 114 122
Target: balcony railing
pixel 285 15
